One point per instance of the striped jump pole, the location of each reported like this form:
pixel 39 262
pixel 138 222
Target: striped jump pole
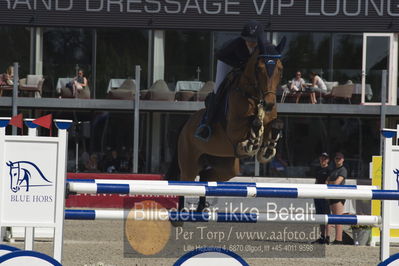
pixel 335 192
pixel 215 184
pixel 165 215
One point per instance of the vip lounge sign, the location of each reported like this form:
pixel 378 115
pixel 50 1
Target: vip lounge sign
pixel 217 7
pixel 276 15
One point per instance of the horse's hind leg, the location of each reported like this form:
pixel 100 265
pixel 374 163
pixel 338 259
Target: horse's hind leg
pixel 221 169
pixel 204 174
pixel 189 167
pixel 189 175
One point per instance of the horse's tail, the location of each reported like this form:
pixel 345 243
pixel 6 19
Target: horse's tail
pixel 173 172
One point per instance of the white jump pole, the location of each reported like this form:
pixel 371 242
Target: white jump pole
pixel 219 217
pixel 215 184
pixel 233 191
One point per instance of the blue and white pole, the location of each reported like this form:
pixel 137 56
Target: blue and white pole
pixel 235 191
pixel 215 184
pixel 165 215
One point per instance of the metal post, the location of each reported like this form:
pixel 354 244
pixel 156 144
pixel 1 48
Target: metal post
pixel 32 52
pixel 94 67
pixel 150 68
pixel 15 94
pixel 331 58
pixel 257 166
pixel 136 123
pixel 383 107
pixel 77 139
pixel 211 56
pixel 198 73
pixel 385 148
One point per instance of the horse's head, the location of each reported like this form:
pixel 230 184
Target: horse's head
pixel 263 73
pixel 14 176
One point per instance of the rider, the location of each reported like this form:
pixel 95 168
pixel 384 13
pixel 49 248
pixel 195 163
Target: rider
pixel 234 54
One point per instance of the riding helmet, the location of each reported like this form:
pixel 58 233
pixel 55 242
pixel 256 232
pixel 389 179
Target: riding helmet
pixel 252 29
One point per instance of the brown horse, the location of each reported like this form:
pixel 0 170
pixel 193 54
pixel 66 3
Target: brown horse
pixel 250 128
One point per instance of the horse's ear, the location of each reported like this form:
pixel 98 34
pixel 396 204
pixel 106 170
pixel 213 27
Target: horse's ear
pixel 281 45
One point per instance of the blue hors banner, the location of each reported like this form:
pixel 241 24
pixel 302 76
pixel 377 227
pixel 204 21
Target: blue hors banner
pixel 29 171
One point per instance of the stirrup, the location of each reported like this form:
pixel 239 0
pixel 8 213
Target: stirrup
pixel 198 131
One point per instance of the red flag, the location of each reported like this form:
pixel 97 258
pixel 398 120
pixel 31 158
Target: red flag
pixel 44 121
pixel 17 121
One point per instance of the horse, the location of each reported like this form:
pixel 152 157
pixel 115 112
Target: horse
pixel 250 127
pixel 21 176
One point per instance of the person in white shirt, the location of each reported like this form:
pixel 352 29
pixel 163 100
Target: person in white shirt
pixel 318 85
pixel 297 83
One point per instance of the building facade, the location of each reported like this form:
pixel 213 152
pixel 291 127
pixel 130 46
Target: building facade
pixel 345 42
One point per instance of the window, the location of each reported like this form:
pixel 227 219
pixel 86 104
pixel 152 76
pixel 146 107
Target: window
pixel 118 52
pixel 187 56
pixel 305 52
pixel 15 43
pixel 64 51
pixel 305 138
pixel 347 60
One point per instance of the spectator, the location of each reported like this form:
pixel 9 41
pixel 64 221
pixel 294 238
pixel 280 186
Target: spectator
pixel 125 162
pixel 318 85
pixel 7 78
pixel 297 83
pixel 112 163
pixel 322 205
pixel 92 164
pixel 337 177
pixel 78 84
pixel 83 159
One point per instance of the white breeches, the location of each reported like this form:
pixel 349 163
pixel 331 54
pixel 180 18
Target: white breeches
pixel 222 69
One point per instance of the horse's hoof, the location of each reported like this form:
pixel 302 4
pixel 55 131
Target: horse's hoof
pixel 177 223
pixel 203 207
pixel 267 156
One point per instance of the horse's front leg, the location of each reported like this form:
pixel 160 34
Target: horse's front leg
pixel 251 146
pixel 273 133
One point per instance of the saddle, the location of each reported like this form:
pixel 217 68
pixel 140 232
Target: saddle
pixel 219 101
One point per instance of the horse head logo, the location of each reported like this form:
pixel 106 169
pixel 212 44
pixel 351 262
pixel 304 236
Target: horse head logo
pixel 20 175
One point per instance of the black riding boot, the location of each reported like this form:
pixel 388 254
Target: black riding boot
pixel 204 131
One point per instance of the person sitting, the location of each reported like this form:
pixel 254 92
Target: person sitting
pixel 91 165
pixel 318 85
pixel 234 54
pixel 78 84
pixel 7 78
pixel 297 83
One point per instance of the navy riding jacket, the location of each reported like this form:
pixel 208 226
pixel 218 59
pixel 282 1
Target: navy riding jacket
pixel 235 52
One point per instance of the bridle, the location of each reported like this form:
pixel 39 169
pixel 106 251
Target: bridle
pixel 258 100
